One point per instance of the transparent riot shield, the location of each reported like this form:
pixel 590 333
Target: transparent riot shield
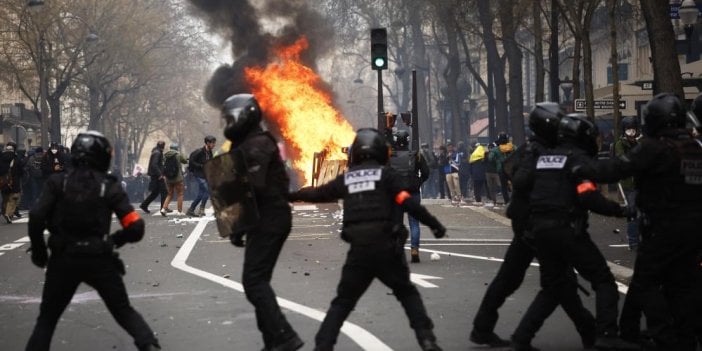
pixel 231 193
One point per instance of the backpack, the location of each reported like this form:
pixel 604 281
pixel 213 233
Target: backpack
pixel 34 167
pixel 171 166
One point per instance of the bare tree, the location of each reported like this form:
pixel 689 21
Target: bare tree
pixel 666 68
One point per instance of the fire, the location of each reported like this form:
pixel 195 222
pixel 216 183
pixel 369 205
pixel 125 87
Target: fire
pixel 290 96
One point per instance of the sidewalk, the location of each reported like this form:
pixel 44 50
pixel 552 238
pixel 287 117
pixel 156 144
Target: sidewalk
pixel 619 259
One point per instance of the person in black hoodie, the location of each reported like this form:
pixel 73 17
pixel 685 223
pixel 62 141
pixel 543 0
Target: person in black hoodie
pixel 196 161
pixel 157 183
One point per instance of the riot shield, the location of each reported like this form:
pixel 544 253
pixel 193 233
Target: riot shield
pixel 231 193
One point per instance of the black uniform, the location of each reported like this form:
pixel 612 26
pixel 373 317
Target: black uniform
pixel 369 191
pixel 263 243
pixel 157 183
pixel 559 219
pixel 77 207
pixel 667 173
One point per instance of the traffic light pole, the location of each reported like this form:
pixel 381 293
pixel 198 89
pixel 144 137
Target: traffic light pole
pixel 381 115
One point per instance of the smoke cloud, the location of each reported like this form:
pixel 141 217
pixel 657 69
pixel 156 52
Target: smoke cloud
pixel 243 25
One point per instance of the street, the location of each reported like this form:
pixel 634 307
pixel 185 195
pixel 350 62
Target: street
pixel 185 280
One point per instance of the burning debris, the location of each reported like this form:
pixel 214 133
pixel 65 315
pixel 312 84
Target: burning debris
pixel 279 69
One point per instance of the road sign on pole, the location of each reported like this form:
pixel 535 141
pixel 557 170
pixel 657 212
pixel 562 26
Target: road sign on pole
pixel 604 104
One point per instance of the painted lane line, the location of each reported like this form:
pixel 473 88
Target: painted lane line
pixel 360 336
pixel 2 253
pixel 24 239
pixel 11 246
pixel 304 207
pixel 468 244
pixel 421 280
pixel 468 240
pixel 623 288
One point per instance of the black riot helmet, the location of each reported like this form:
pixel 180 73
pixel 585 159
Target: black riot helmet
pixel 665 110
pixel 577 129
pixel 544 120
pixel 241 114
pixel 91 149
pixel 400 140
pixel 369 144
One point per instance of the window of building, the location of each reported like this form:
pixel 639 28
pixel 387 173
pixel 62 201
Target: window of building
pixel 623 73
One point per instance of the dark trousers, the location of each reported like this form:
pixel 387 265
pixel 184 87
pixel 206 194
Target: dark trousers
pixel 156 187
pixel 508 279
pixel 665 286
pixel 545 303
pixel 478 186
pixel 505 186
pixel 364 263
pixel 263 247
pixel 441 185
pixel 63 276
pixel 559 248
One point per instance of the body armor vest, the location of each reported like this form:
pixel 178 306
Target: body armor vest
pixel 367 198
pixel 554 191
pixel 677 186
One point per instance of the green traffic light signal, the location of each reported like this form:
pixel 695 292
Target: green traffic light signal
pixel 379 48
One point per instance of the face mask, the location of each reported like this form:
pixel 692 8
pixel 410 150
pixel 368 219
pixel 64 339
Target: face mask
pixel 630 133
pixel 54 151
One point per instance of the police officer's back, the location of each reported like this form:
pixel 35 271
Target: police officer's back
pixel 667 168
pixel 370 189
pixel 76 207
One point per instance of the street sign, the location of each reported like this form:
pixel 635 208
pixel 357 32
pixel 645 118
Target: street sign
pixel 647 86
pixel 604 104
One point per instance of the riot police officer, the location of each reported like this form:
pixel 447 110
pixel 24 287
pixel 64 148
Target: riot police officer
pixel 76 207
pixel 667 169
pixel 266 170
pixel 413 171
pixel 370 189
pixel 543 122
pixel 559 204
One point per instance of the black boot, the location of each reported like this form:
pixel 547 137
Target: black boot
pixel 291 344
pixel 490 339
pixel 427 340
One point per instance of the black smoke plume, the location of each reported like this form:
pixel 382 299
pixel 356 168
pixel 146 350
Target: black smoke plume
pixel 242 24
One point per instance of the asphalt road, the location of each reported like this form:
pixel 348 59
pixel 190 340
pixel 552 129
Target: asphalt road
pixel 185 280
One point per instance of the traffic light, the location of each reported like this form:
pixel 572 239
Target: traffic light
pixel 379 48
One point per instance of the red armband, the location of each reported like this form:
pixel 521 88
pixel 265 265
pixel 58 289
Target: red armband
pixel 585 187
pixel 130 218
pixel 401 197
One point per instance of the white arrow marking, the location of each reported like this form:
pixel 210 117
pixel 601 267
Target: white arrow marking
pixel 421 280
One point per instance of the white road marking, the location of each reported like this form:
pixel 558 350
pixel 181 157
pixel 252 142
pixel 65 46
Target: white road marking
pixel 24 239
pixel 619 245
pixel 467 244
pixel 360 336
pixel 2 253
pixel 421 280
pixel 11 246
pixel 304 207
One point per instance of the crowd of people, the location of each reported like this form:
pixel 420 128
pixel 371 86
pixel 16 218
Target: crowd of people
pixel 465 175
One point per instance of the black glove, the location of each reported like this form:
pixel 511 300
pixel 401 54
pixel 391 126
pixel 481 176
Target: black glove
pixel 118 239
pixel 39 257
pixel 237 239
pixel 439 232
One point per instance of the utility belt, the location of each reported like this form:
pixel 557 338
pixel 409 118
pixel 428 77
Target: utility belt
pixel 374 233
pixel 90 246
pixel 543 221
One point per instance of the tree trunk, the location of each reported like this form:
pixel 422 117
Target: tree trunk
pixel 421 64
pixel 616 115
pixel 514 57
pixel 538 52
pixel 666 68
pixel 496 64
pixel 452 73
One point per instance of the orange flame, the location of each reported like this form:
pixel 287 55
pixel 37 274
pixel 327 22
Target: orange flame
pixel 290 96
